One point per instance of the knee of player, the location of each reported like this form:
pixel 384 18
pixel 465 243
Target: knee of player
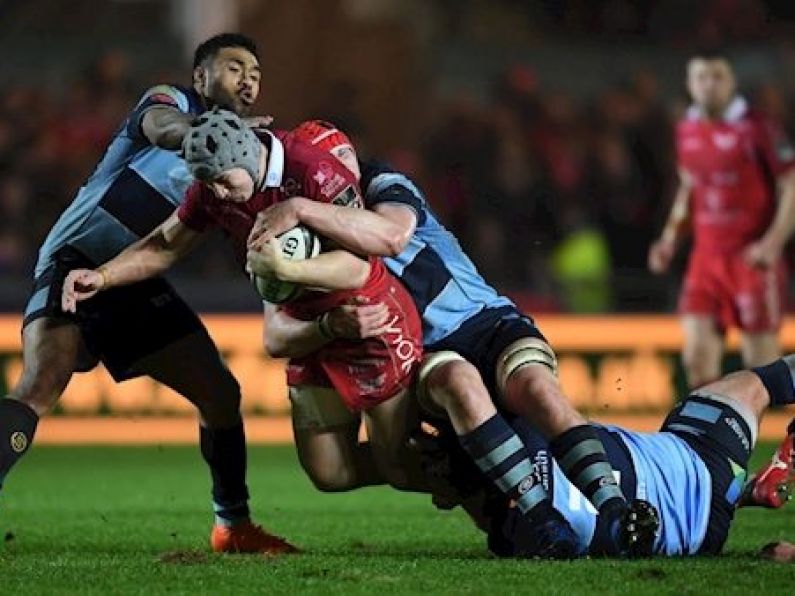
pixel 529 386
pixel 330 479
pixel 456 384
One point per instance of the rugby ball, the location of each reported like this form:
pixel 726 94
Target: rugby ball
pixel 297 244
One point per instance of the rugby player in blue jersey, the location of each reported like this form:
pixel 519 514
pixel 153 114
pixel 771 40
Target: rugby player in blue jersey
pixel 693 471
pixel 145 329
pixel 487 361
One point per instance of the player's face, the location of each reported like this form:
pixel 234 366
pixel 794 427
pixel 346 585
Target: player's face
pixel 232 80
pixel 347 157
pixel 233 185
pixel 711 84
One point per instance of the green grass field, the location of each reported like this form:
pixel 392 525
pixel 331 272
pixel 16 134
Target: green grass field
pixel 135 521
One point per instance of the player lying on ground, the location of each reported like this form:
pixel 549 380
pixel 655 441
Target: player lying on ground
pixel 733 164
pixel 693 470
pixel 483 346
pixel 239 174
pixel 146 329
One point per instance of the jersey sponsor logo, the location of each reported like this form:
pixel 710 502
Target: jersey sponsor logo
pixel 735 426
pixel 724 141
pixel 329 181
pixel 404 348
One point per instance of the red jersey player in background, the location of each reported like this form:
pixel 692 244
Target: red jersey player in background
pixel 733 164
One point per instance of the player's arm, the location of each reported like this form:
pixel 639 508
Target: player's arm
pixel 333 270
pixel 288 337
pixel 676 226
pixel 150 256
pixel 766 251
pixel 166 126
pixel 383 232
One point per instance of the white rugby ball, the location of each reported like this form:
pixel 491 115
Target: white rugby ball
pixel 297 244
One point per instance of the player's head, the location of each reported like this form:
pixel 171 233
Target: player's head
pixel 328 137
pixel 225 155
pixel 711 82
pixel 226 72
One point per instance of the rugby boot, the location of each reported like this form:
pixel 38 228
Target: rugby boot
pixel 627 531
pixel 771 485
pixel 247 537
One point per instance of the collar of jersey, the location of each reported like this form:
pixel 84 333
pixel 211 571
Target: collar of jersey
pixel 275 171
pixel 734 111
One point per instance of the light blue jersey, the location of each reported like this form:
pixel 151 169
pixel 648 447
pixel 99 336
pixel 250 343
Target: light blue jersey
pixel 135 187
pixel 442 280
pixel 668 474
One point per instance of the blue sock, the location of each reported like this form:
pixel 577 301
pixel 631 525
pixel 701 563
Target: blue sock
pixel 224 450
pixel 778 380
pixel 502 457
pixel 582 458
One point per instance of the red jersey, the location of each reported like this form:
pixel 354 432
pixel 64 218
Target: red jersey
pixel 733 164
pixel 365 372
pixel 295 168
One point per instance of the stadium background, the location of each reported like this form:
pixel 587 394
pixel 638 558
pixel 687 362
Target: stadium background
pixel 540 130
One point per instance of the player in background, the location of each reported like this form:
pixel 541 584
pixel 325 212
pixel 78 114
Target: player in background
pixel 238 174
pixel 732 166
pixel 478 344
pixel 146 329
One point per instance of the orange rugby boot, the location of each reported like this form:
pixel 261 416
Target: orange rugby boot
pixel 248 537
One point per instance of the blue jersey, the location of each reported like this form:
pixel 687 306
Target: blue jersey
pixel 442 280
pixel 657 467
pixel 135 187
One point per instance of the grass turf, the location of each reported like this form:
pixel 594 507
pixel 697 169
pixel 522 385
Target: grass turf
pixel 135 520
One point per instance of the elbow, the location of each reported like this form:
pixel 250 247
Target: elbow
pixel 396 241
pixel 274 346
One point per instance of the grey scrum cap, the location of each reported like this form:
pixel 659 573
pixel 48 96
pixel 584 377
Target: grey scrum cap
pixel 219 141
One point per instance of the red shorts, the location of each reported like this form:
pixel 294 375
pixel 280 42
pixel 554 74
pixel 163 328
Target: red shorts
pixel 368 372
pixel 725 287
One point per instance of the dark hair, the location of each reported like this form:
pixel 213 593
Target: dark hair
pixel 209 48
pixel 710 54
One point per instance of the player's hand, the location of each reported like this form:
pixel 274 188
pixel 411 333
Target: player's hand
pixel 79 285
pixel 359 320
pixel 781 552
pixel 275 220
pixel 764 253
pixel 266 260
pixel 258 122
pixel 661 254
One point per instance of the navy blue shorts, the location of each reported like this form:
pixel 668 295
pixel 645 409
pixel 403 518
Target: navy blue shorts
pixel 120 326
pixel 483 338
pixel 723 440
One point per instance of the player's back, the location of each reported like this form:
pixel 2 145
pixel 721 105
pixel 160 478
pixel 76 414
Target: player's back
pixel 133 188
pixel 732 163
pixel 443 281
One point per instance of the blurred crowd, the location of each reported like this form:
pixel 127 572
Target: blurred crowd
pixel 555 198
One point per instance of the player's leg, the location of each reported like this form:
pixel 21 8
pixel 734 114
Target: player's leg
pixel 760 348
pixel 703 349
pixel 327 441
pixel 452 387
pixel 49 353
pixel 390 425
pixel 525 377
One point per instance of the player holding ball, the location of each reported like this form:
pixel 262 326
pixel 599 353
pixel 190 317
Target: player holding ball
pixel 732 165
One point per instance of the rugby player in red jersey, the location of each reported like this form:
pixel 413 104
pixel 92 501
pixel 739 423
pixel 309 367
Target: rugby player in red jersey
pixel 238 174
pixel 733 165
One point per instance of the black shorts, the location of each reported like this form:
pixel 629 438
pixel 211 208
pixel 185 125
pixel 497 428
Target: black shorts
pixel 720 435
pixel 483 338
pixel 120 326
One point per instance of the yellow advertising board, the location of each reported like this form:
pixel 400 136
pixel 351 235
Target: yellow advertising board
pixel 607 363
